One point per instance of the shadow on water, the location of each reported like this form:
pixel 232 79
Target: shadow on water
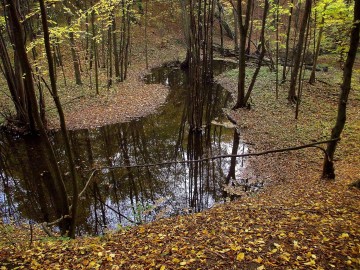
pixel 127 196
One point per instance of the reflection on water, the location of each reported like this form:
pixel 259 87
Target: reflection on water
pixel 126 196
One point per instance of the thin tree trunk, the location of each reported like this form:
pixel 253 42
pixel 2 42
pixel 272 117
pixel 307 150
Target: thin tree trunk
pixel 328 167
pixel 236 30
pixel 287 42
pixel 74 56
pixel 262 53
pixel 248 48
pixel 95 52
pixel 146 34
pixel 115 49
pixel 277 50
pixel 243 27
pixel 29 83
pixel 64 132
pixel 292 97
pixel 317 51
pixel 302 70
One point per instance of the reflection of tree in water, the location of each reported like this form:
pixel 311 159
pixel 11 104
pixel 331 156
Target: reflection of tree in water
pixel 202 175
pixel 27 183
pixel 124 195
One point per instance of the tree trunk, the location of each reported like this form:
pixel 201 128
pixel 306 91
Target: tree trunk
pixel 236 31
pixel 243 27
pixel 146 34
pixel 287 42
pixel 317 51
pixel 328 167
pixel 292 97
pixel 29 83
pixel 62 120
pixel 95 52
pixel 115 49
pixel 74 56
pixel 262 53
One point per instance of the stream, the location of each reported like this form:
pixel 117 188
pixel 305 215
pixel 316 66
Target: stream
pixel 120 197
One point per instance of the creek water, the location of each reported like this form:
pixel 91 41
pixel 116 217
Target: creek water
pixel 126 196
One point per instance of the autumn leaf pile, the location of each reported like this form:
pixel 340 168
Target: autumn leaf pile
pixel 316 228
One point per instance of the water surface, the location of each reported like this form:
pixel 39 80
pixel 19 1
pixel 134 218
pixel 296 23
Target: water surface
pixel 126 196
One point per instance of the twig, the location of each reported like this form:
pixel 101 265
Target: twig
pixel 87 183
pixel 314 145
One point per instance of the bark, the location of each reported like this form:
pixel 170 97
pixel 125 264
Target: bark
pixel 64 132
pixel 223 23
pixel 28 78
pixel 14 88
pixel 262 53
pixel 243 29
pixel 277 50
pixel 287 42
pixel 74 56
pixel 95 52
pixel 115 49
pixel 146 35
pixel 236 30
pixel 317 51
pixel 292 97
pixel 328 167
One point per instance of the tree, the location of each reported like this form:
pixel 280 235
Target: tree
pixel 74 55
pixel 243 97
pixel 64 131
pixel 18 33
pixel 318 43
pixel 287 41
pixel 328 167
pixel 292 97
pixel 243 25
pixel 13 70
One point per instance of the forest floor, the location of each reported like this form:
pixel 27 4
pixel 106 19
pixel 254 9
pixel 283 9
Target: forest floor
pixel 298 221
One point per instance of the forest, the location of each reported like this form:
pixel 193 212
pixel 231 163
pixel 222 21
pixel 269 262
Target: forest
pixel 179 134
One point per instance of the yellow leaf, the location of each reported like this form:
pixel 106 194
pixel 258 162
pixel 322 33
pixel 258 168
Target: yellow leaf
pixel 311 262
pixel 240 256
pixel 141 230
pixel 296 244
pixel 183 263
pixel 260 267
pixel 258 260
pixel 234 247
pixel 285 256
pixel 344 235
pixel 92 264
pixel 163 267
pixel 225 250
pixel 175 260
